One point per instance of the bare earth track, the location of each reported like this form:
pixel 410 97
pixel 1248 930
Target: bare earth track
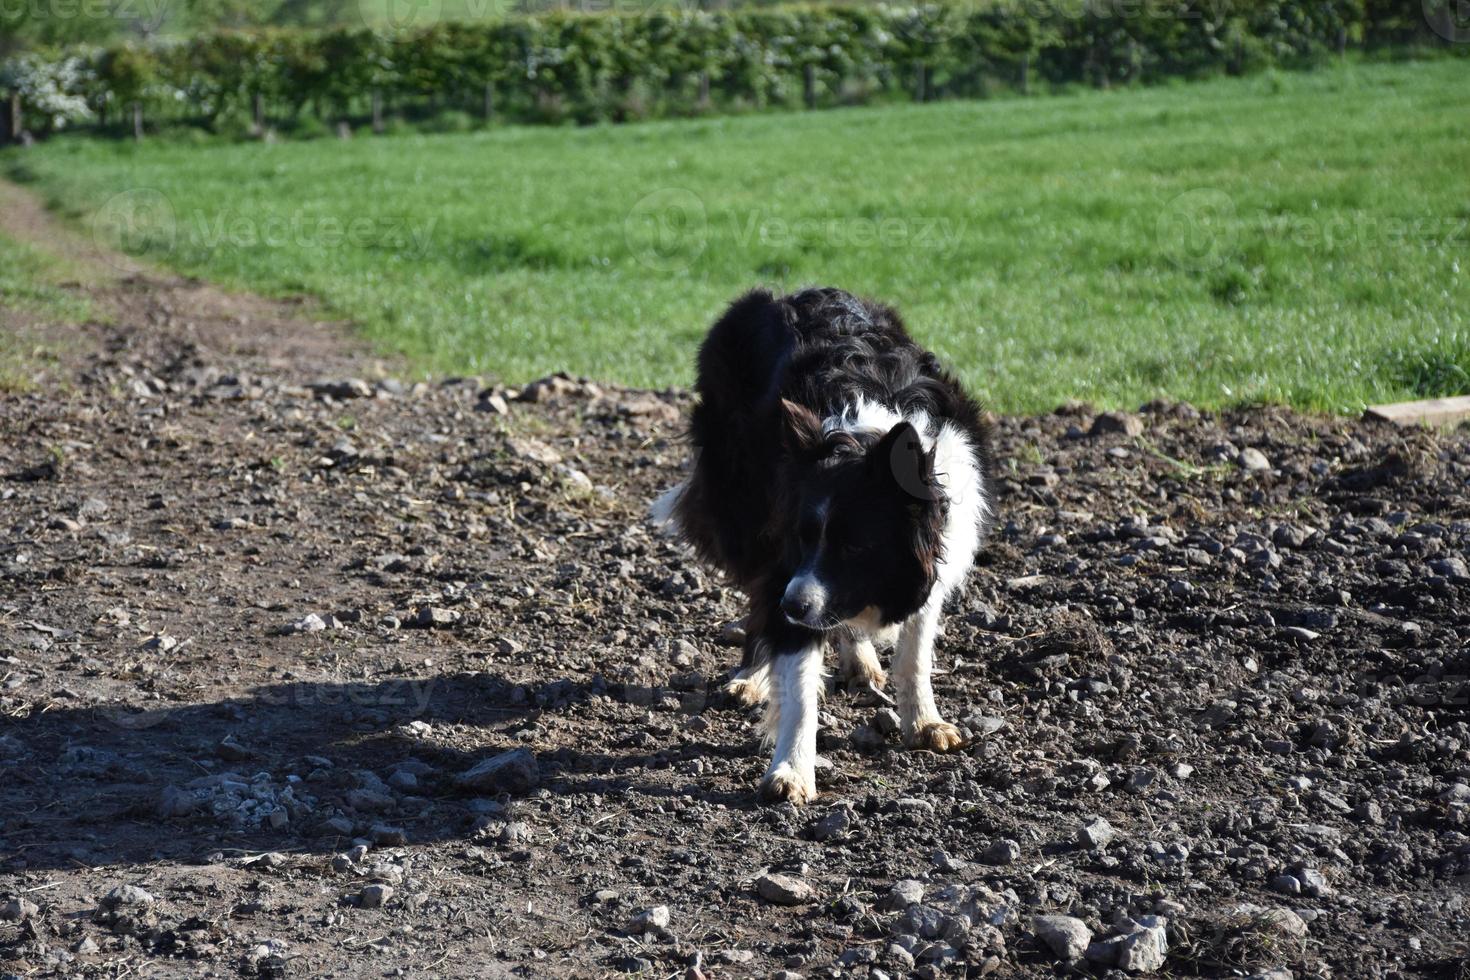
pixel 266 613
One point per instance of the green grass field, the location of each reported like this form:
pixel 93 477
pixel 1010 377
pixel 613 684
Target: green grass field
pixel 31 297
pixel 1285 238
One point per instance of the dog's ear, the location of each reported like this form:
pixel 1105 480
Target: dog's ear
pixel 900 458
pixel 801 430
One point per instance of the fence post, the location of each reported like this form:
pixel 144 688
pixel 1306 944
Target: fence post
pixel 1026 74
pixel 257 113
pixel 17 119
pixel 377 112
pixel 921 83
pixel 809 86
pixel 704 90
pixel 138 121
pixel 489 102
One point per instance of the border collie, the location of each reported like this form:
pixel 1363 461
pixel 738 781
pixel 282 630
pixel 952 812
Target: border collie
pixel 841 478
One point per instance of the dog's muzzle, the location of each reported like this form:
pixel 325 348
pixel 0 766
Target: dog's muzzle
pixel 804 602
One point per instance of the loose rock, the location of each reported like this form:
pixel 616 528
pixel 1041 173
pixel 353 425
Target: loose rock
pixel 784 890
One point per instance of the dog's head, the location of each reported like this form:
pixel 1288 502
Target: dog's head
pixel 864 529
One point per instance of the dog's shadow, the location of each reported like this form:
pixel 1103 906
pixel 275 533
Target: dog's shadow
pixel 301 766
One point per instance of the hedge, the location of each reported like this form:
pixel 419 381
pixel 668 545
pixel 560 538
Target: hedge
pixel 609 67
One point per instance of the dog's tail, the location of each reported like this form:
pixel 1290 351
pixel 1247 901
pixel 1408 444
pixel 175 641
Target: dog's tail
pixel 664 514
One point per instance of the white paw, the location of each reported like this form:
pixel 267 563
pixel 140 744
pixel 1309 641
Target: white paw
pixel 860 676
pixel 937 736
pixel 784 782
pixel 748 692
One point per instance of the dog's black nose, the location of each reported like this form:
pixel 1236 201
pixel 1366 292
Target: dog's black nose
pixel 796 606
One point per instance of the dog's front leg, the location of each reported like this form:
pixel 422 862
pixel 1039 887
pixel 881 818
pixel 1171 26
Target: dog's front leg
pixel 913 663
pixel 791 717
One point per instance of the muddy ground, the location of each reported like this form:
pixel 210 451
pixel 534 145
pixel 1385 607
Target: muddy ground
pixel 308 671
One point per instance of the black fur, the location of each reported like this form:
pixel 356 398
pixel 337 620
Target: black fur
pixel 769 371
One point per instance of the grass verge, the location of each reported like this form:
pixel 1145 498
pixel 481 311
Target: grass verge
pixel 1299 239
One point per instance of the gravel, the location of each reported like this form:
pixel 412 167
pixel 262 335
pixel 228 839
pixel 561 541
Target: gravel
pixel 560 753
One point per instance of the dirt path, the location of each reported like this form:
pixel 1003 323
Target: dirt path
pixel 266 613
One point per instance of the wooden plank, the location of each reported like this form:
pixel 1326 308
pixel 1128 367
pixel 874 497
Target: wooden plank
pixel 1431 411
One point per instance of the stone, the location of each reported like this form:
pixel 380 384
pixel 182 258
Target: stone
pixel 947 862
pixel 1314 882
pixel 343 389
pixel 1096 833
pixel 866 738
pixel 895 953
pixel 515 771
pixel 1001 852
pixel 175 801
pixel 1252 459
pixel 1282 921
pixel 1286 885
pixel 922 920
pixel 1291 536
pixel 837 822
pixel 18 910
pixel 655 920
pixel 126 895
pixel 1139 780
pixel 903 894
pixel 784 890
pixel 434 618
pixel 1067 937
pixel 310 623
pixel 386 836
pixel 339 826
pixel 983 725
pixel 370 800
pixel 1116 423
pixel 1146 949
pixel 1103 952
pixel 886 720
pixel 1452 568
pixel 374 896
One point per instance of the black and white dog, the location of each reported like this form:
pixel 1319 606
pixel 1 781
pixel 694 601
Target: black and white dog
pixel 841 477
